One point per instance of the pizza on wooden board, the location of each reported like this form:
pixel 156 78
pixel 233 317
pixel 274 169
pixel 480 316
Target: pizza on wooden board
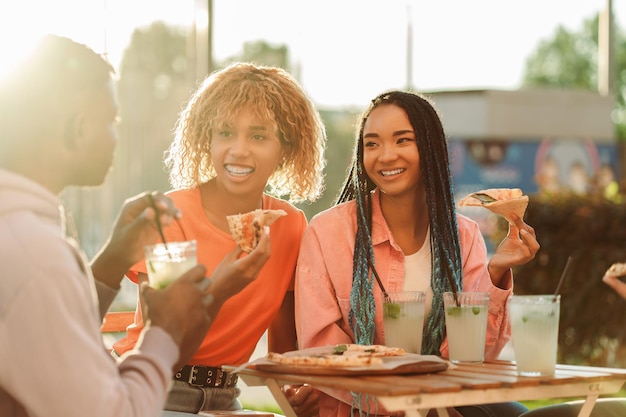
pixel 501 201
pixel 339 356
pixel 246 227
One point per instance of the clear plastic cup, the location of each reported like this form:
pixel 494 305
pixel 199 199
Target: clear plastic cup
pixel 165 263
pixel 535 332
pixel 403 320
pixel 466 325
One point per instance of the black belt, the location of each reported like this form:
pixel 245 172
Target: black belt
pixel 206 376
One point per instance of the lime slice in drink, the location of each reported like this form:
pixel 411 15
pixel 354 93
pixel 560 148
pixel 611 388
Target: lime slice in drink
pixel 454 311
pixel 161 285
pixel 391 310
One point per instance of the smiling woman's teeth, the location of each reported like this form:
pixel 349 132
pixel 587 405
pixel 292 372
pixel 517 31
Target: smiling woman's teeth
pixel 394 172
pixel 238 171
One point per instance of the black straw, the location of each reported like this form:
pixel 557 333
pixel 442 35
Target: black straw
pixel 158 222
pixel 560 284
pixel 455 290
pixel 380 283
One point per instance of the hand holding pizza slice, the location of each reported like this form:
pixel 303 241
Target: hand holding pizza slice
pixel 246 227
pixel 501 201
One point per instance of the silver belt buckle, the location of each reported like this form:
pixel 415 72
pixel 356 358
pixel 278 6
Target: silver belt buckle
pixel 192 377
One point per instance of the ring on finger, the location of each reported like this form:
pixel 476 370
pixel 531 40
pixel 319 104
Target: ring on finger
pixel 204 284
pixel 207 299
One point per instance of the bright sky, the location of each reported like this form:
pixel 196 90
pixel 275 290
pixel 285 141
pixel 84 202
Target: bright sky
pixel 348 51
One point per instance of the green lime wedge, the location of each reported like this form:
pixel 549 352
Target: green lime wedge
pixel 162 285
pixel 391 310
pixel 454 311
pixel 476 310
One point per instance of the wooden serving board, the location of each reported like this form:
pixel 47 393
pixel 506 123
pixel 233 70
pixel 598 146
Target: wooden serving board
pixel 392 365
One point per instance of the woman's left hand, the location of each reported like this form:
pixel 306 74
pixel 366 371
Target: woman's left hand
pixel 303 399
pixel 517 248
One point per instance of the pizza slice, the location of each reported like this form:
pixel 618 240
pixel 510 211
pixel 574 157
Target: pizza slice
pixel 373 350
pixel 616 270
pixel 501 201
pixel 246 227
pixel 324 360
pixel 337 356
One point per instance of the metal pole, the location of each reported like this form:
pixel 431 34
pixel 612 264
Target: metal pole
pixel 210 65
pixel 409 50
pixel 203 40
pixel 606 67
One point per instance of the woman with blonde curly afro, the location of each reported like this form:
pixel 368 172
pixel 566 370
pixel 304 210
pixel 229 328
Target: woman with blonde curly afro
pixel 249 138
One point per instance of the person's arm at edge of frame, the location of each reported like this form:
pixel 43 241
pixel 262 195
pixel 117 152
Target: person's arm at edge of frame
pixel 614 282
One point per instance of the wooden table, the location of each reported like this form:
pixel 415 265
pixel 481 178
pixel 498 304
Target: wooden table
pixel 459 385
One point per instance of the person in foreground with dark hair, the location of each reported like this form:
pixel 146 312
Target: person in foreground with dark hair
pixel 58 112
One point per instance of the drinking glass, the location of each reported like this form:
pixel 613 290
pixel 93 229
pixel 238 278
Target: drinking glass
pixel 166 262
pixel 535 332
pixel 466 325
pixel 403 320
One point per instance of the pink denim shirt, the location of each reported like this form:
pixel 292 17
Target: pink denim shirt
pixel 324 278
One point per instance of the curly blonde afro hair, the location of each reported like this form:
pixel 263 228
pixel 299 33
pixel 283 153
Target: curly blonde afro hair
pixel 272 95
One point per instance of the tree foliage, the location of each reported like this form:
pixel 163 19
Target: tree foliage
pixel 264 53
pixel 155 81
pixel 570 60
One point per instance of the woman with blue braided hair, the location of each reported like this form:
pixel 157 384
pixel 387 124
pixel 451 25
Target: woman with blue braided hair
pixel 395 217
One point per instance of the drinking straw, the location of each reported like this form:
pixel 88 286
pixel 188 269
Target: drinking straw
pixel 558 287
pixel 380 283
pixel 455 294
pixel 158 223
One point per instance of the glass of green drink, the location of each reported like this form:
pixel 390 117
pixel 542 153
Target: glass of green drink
pixel 403 320
pixel 466 325
pixel 535 332
pixel 166 262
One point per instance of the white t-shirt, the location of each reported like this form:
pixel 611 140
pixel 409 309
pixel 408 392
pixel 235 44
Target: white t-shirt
pixel 417 271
